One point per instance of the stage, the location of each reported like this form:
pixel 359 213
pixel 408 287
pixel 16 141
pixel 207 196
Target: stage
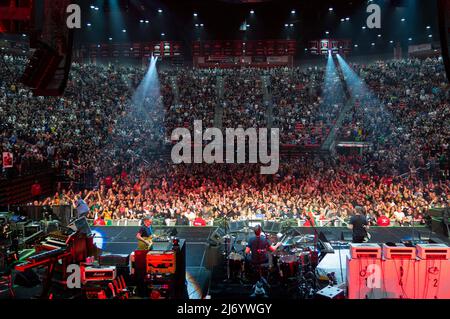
pixel 205 271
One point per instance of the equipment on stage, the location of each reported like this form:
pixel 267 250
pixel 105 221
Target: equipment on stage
pixel 56 252
pixel 91 273
pixel 162 269
pixel 365 251
pixel 330 292
pixel 163 262
pixel 399 251
pixel 400 271
pixel 364 272
pixel 433 251
pixel 107 289
pixel 118 260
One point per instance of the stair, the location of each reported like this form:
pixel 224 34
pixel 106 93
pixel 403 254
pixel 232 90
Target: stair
pixel 267 99
pixel 176 92
pixel 218 110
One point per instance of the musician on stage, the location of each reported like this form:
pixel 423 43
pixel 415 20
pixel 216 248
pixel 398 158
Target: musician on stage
pixel 258 245
pixel 81 206
pixel 145 234
pixel 359 225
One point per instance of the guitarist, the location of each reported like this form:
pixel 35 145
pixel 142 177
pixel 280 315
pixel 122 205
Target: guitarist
pixel 359 225
pixel 145 234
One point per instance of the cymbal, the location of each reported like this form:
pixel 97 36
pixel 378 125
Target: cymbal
pixel 288 242
pixel 303 239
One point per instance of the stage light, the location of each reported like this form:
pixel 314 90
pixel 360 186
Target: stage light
pixel 98 45
pixel 96 8
pixel 403 20
pixel 252 12
pixel 141 21
pixel 88 24
pixel 356 45
pixel 379 35
pixel 196 24
pixel 391 41
pixel 110 39
pixel 330 9
pixel 410 39
pixel 364 28
pixel 430 36
pixel 342 20
pixel 159 10
pixel 327 32
pixel 24 35
pixel 428 27
pixel 291 25
pixel 306 49
pixel 92 7
pixel 124 31
pixel 348 19
pixel 248 25
pixel 195 14
pixel 293 11
pixel 146 21
pixel 286 25
pixel 201 24
pixel 373 44
pixel 163 34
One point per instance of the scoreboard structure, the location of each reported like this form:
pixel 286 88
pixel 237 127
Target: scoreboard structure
pixel 237 53
pixel 322 46
pixel 141 50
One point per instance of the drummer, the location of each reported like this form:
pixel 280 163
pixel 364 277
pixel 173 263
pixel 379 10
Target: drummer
pixel 258 245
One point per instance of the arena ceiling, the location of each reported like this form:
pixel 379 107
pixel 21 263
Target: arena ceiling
pixel 403 21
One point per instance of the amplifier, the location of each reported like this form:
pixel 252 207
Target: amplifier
pixel 161 262
pixel 365 251
pixel 399 251
pixel 95 293
pixel 114 260
pixel 433 251
pixel 99 273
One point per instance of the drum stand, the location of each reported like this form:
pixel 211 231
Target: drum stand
pixel 227 252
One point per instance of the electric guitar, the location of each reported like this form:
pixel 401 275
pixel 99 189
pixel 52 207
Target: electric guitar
pixel 143 245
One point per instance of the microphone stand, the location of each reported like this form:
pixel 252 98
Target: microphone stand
pixel 316 234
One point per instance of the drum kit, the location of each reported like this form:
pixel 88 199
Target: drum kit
pixel 292 260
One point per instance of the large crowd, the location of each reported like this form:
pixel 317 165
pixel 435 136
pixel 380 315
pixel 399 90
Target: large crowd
pixel 108 125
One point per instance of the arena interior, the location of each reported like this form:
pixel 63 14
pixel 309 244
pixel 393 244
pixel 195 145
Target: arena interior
pixel 224 149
